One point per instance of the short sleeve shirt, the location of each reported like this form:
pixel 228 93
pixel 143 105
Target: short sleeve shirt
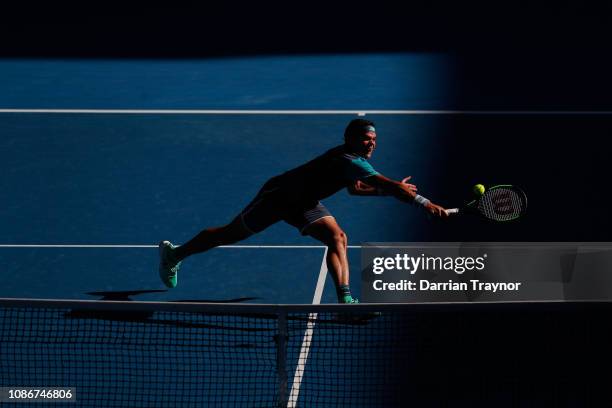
pixel 323 176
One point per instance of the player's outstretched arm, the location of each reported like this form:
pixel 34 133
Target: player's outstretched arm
pixel 364 189
pixel 403 191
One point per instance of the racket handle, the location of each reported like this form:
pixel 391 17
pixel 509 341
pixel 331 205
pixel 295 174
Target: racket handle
pixel 452 211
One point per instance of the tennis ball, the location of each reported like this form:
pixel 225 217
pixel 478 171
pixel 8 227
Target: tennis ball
pixel 478 189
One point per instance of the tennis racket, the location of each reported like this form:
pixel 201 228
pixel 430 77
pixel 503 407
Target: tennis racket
pixel 499 203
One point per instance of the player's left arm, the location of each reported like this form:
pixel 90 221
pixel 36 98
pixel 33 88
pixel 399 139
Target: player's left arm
pixel 403 191
pixel 364 189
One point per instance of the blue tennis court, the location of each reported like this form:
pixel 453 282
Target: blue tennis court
pixel 104 158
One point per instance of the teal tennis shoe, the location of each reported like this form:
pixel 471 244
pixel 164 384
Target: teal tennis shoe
pixel 168 265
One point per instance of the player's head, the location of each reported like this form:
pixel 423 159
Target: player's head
pixel 360 137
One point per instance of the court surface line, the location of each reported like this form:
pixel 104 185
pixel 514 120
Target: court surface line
pixel 306 341
pixel 306 112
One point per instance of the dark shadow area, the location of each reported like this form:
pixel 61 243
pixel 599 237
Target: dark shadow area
pixel 128 296
pixel 150 317
pixel 235 300
pixel 559 161
pixel 506 356
pixel 541 79
pixel 122 295
pixel 204 29
pixel 471 355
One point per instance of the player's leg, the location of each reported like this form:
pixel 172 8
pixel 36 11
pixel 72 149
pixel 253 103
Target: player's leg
pixel 257 216
pixel 171 255
pixel 213 237
pixel 328 231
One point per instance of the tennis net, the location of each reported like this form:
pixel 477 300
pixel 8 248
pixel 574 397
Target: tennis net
pixel 147 354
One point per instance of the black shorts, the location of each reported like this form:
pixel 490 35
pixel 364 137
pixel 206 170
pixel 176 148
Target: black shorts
pixel 271 205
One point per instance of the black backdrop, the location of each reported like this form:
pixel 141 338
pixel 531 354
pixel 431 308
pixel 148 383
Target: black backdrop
pixel 182 29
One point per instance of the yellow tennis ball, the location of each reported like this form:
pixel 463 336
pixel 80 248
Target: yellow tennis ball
pixel 478 189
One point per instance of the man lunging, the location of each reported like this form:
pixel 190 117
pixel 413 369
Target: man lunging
pixel 294 197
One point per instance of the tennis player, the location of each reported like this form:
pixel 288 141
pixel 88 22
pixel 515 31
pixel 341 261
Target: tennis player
pixel 294 197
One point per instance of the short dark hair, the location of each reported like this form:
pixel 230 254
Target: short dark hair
pixel 356 127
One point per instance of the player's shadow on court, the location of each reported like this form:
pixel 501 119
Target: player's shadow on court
pixel 124 296
pixel 146 314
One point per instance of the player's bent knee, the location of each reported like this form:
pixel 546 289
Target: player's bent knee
pixel 327 231
pixel 339 240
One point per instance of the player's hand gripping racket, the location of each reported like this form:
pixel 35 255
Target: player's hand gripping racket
pixel 499 203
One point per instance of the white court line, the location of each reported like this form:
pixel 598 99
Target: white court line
pixel 305 349
pixel 316 300
pixel 306 112
pixel 155 246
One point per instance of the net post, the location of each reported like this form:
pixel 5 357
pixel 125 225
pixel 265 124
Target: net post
pixel 281 358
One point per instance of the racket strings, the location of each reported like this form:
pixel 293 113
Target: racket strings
pixel 501 204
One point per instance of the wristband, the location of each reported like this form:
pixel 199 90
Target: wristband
pixel 421 200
